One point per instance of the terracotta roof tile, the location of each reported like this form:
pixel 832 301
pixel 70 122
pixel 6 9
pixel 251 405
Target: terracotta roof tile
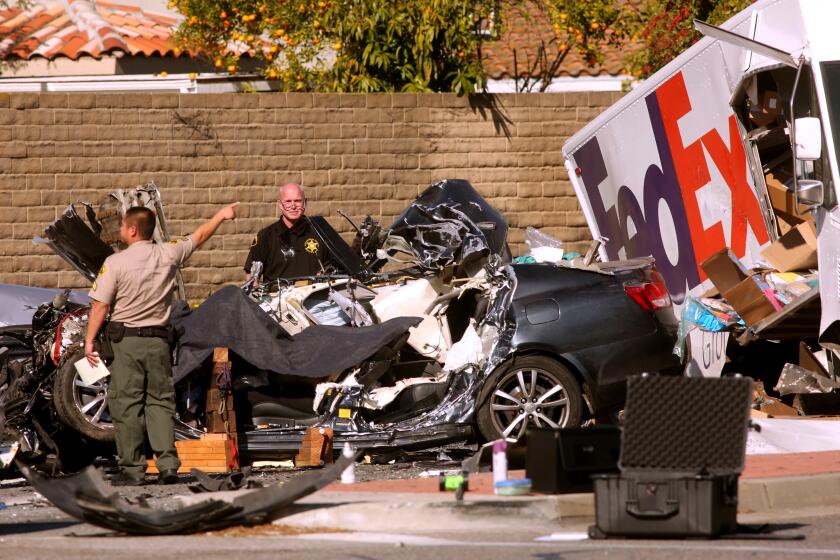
pixel 76 28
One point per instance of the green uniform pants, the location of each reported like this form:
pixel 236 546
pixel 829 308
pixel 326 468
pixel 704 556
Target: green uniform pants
pixel 141 395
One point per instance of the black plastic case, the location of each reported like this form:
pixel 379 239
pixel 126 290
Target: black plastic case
pixel 563 461
pixel 686 506
pixel 682 450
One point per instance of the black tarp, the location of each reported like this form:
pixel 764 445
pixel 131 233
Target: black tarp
pixel 229 318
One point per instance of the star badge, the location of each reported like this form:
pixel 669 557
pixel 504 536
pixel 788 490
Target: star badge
pixel 311 245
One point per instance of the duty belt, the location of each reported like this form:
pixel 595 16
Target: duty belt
pixel 153 332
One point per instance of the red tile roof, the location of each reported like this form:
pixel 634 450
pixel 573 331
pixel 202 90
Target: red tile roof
pixel 525 34
pixel 77 28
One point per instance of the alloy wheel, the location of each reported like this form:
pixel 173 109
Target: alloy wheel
pixel 92 402
pixel 528 397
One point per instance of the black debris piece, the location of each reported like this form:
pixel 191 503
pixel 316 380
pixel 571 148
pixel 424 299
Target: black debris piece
pixel 237 480
pixel 78 241
pixel 87 497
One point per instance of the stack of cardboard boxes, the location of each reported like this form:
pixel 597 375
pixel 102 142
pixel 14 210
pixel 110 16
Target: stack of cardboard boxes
pixel 794 251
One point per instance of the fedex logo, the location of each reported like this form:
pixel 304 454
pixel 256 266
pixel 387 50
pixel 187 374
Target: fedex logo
pixel 632 220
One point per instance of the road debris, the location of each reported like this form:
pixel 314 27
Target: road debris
pixel 87 497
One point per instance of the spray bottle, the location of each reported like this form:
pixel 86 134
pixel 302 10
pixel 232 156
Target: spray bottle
pixel 499 461
pixel 348 475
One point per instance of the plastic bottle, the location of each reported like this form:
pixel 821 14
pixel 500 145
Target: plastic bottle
pixel 499 461
pixel 348 475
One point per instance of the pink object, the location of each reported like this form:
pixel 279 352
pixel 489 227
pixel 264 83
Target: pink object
pixel 774 301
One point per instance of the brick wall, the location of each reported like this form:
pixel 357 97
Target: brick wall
pixel 364 154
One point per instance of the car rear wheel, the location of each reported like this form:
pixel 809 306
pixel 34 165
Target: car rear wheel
pixel 532 391
pixel 82 407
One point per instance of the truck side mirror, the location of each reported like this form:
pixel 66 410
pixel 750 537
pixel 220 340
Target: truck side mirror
pixel 808 138
pixel 809 192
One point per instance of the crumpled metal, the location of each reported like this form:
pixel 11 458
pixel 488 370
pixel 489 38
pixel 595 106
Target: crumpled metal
pixel 796 380
pixel 76 240
pixel 237 480
pixel 87 497
pixel 449 224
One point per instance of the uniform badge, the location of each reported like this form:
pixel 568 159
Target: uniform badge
pixel 311 245
pixel 254 242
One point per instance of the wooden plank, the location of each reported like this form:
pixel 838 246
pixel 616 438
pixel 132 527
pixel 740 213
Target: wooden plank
pixel 316 448
pixel 214 437
pixel 211 453
pixel 220 354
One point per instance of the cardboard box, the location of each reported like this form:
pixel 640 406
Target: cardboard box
pixel 809 361
pixel 784 203
pixel 765 406
pixel 795 250
pixel 738 288
pixel 724 270
pixel 749 301
pixel 787 223
pixel 768 109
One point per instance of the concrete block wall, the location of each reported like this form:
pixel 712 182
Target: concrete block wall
pixel 364 154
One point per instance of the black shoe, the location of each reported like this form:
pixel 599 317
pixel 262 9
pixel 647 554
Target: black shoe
pixel 123 479
pixel 168 476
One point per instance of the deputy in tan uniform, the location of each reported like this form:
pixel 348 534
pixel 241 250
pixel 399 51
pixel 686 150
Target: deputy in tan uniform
pixel 136 287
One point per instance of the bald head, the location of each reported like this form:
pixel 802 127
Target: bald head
pixel 291 190
pixel 292 203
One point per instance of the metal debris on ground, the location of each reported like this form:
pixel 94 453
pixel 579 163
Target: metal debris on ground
pixel 237 480
pixel 87 497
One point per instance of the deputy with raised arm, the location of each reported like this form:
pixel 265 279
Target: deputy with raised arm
pixel 136 286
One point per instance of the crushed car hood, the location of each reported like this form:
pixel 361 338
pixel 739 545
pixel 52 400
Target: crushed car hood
pixel 449 224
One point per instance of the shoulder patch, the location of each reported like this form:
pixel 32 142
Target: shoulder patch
pixel 102 270
pixel 254 242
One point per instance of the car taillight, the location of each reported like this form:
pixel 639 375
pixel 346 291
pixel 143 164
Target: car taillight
pixel 651 295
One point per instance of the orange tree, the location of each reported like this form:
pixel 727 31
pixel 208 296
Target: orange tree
pixel 588 26
pixel 581 27
pixel 380 45
pixel 343 45
pixel 665 28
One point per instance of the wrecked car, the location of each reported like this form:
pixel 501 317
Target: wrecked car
pixel 425 334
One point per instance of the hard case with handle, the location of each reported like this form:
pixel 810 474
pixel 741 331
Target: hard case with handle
pixel 682 450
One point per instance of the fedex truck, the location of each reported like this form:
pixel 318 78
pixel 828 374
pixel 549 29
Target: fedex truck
pixel 685 165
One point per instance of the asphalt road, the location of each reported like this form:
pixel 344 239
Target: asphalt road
pixel 71 541
pixel 30 527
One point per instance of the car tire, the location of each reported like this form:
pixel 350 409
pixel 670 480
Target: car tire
pixel 538 379
pixel 82 408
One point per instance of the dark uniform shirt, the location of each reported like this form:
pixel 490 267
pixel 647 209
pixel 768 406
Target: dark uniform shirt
pixel 268 247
